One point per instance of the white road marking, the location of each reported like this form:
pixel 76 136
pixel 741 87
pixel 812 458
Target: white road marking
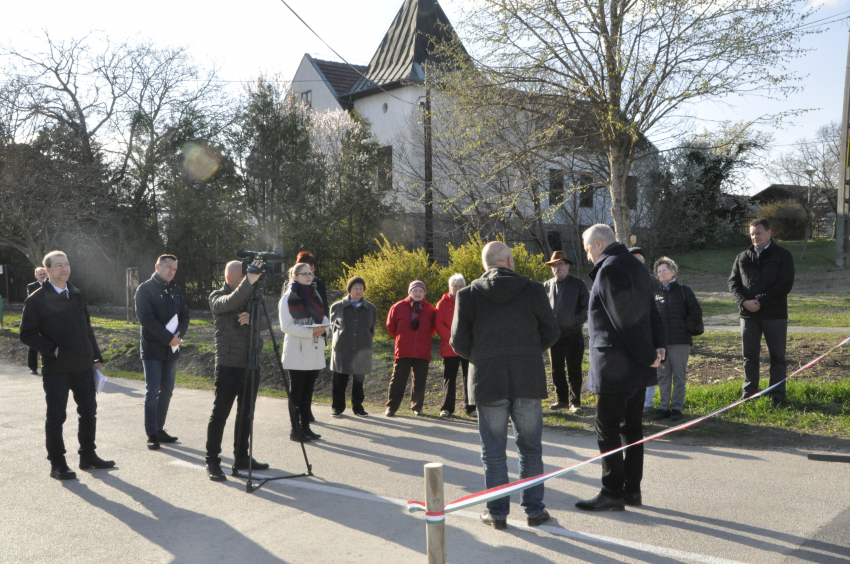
pixel 557 531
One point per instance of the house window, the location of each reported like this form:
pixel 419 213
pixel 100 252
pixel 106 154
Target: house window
pixel 586 190
pixel 385 171
pixel 556 187
pixel 632 192
pixel 307 98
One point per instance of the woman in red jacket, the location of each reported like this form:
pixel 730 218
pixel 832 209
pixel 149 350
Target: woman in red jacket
pixel 411 323
pixel 451 360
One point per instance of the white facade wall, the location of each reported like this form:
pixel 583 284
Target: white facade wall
pixel 307 78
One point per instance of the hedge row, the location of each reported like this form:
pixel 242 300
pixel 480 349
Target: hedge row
pixel 392 268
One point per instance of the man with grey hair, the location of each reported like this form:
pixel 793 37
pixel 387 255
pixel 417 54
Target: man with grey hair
pixel 502 324
pixel 626 346
pixel 40 278
pixel 232 324
pixel 56 323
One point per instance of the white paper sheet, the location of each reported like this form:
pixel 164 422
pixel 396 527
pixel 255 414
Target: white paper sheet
pixel 99 381
pixel 172 326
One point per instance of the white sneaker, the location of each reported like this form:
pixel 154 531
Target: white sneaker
pixel 417 413
pixel 389 412
pixel 445 413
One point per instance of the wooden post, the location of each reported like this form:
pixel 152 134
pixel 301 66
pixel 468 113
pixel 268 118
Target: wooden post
pixel 842 215
pixel 434 502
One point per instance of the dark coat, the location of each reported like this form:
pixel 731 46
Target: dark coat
pixel 50 321
pixel 231 337
pixel 33 287
pixel 353 331
pixel 571 306
pixel 323 293
pixel 680 312
pixel 157 302
pixel 624 325
pixel 767 278
pixel 503 323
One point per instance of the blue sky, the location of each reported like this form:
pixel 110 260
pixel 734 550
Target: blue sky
pixel 252 36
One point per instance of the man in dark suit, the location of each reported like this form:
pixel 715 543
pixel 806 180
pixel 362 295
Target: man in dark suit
pixel 568 297
pixel 55 321
pixel 626 346
pixel 40 277
pixel 158 301
pixel 502 324
pixel 762 278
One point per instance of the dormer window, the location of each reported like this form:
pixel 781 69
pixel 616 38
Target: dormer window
pixel 307 98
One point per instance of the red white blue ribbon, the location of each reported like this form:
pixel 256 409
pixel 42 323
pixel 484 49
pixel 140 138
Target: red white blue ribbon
pixel 524 484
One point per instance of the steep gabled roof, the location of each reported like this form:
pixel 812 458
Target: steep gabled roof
pixel 405 47
pixel 340 76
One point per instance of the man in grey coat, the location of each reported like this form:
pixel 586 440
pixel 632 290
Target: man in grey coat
pixel 232 321
pixel 503 324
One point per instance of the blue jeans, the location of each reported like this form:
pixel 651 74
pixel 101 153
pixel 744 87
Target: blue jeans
pixel 527 417
pixel 159 385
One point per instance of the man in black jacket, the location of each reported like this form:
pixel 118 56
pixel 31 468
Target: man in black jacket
pixel 568 297
pixel 232 324
pixel 502 324
pixel 626 346
pixel 55 322
pixel 762 278
pixel 40 277
pixel 160 302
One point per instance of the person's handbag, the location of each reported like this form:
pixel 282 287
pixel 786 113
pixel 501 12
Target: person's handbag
pixel 699 328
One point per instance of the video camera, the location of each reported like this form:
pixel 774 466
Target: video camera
pixel 272 260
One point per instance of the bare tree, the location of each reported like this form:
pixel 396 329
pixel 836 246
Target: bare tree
pixel 611 72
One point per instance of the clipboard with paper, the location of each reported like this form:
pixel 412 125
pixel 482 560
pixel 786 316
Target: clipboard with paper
pixel 172 327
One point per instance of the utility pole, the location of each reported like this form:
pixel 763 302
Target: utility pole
pixel 842 215
pixel 429 194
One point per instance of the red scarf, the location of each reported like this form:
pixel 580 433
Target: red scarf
pixel 415 310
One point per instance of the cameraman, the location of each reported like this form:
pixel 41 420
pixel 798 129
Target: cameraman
pixel 232 324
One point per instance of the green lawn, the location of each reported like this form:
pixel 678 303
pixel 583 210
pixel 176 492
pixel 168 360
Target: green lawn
pixel 819 310
pixel 820 257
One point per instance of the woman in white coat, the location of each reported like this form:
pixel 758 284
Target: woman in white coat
pixel 303 346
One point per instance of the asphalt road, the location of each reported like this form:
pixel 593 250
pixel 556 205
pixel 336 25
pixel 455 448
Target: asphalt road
pixel 712 505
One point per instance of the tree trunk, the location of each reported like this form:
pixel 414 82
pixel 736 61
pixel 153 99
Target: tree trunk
pixel 807 233
pixel 619 205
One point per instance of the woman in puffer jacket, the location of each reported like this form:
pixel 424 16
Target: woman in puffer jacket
pixel 305 327
pixel 682 317
pixel 451 360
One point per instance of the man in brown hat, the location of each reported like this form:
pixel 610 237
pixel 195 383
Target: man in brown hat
pixel 568 297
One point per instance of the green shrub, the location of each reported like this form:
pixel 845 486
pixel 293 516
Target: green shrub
pixel 389 271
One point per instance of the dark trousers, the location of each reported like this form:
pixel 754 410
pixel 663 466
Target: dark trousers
pixel 618 422
pixel 450 366
pixel 230 385
pixel 32 359
pixel 775 333
pixel 340 383
pixel 398 382
pixel 56 388
pixel 301 396
pixel 569 351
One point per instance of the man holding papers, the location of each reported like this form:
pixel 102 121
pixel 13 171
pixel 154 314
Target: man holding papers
pixel 55 322
pixel 164 318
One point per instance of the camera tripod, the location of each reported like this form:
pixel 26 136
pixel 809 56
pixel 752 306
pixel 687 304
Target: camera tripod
pixel 258 303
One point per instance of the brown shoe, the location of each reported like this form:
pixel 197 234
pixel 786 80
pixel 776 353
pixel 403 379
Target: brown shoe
pixel 488 519
pixel 539 520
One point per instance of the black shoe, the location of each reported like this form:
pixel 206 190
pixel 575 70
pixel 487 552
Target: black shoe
pixel 298 437
pixel 675 415
pixel 153 442
pixel 94 461
pixel 215 473
pixel 60 471
pixel 309 433
pixel 311 418
pixel 34 372
pixel 633 499
pixel 777 401
pixel 539 520
pixel 661 414
pixel 488 519
pixel 164 437
pixel 559 405
pixel 336 413
pixel 361 413
pixel 602 503
pixel 242 464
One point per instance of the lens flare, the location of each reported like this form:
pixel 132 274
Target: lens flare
pixel 199 161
